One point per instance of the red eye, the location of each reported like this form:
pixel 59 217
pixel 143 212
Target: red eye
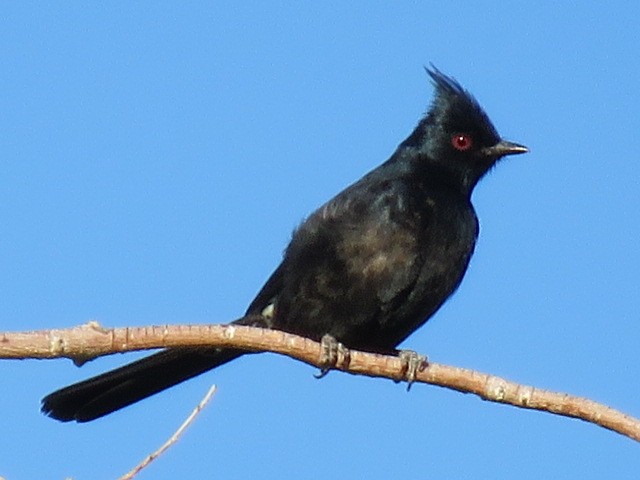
pixel 461 142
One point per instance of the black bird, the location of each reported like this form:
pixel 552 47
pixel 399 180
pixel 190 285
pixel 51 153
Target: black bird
pixel 367 268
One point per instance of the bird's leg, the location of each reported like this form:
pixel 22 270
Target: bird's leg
pixel 412 363
pixel 333 352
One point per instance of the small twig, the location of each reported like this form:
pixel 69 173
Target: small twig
pixel 174 438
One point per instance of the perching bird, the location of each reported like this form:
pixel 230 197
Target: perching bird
pixel 367 268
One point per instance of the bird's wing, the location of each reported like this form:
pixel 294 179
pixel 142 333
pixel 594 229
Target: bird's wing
pixel 350 264
pixel 267 294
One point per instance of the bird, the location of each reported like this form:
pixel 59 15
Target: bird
pixel 366 269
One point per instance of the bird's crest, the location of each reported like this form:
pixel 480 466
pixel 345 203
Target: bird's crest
pixel 454 102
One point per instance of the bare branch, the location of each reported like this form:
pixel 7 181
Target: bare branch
pixel 91 340
pixel 174 438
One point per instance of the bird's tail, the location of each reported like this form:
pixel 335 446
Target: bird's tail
pixel 101 395
pixel 111 391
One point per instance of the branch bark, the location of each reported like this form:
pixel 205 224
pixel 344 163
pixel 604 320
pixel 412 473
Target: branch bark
pixel 89 341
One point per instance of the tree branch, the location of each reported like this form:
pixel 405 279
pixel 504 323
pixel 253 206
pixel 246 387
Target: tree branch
pixel 173 439
pixel 91 340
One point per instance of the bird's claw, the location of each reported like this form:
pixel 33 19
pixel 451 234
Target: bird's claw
pixel 333 353
pixel 412 363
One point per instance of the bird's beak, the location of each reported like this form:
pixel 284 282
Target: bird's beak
pixel 504 148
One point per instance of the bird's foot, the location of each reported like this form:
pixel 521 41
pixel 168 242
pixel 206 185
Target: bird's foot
pixel 333 353
pixel 412 363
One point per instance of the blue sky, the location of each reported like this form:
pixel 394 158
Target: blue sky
pixel 156 157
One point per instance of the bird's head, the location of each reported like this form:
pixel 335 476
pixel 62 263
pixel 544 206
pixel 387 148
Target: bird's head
pixel 456 136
